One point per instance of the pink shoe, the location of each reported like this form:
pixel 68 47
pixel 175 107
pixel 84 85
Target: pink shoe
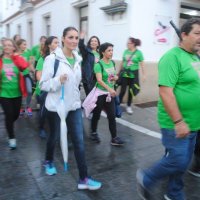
pixel 29 111
pixel 22 112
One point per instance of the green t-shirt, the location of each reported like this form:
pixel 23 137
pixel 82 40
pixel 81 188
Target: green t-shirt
pixel 35 51
pixel 131 61
pixel 71 61
pixel 26 55
pixel 96 56
pixel 10 87
pixel 180 70
pixel 107 73
pixel 39 67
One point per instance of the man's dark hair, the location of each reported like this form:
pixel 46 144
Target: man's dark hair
pixel 188 25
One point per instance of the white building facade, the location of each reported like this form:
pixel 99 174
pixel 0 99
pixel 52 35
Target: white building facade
pixel 111 20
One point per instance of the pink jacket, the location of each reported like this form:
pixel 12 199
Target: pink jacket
pixel 90 102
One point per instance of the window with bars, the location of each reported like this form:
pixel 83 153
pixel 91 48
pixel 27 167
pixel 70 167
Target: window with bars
pixel 47 25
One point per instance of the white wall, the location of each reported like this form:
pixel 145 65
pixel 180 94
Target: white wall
pixel 1 15
pixel 143 24
pixel 61 17
pixel 138 22
pixel 115 32
pixel 9 8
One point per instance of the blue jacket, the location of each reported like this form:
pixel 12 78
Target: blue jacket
pixel 88 76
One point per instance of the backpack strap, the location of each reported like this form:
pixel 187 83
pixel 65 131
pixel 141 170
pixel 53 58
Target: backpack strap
pixel 43 94
pixel 102 69
pixel 131 56
pixel 56 64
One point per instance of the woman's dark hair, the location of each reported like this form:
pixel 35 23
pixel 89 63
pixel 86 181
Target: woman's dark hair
pixel 89 41
pixel 66 30
pixel 15 36
pixel 45 51
pixel 19 42
pixel 43 37
pixel 135 41
pixel 103 47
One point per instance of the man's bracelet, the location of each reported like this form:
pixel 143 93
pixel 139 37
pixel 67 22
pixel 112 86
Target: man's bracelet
pixel 178 121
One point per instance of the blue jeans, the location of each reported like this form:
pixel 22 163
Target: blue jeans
pixel 75 129
pixel 174 163
pixel 29 90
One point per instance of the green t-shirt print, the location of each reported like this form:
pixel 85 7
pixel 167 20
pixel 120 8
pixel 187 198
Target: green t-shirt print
pixel 39 67
pixel 10 80
pixel 131 61
pixel 179 70
pixel 107 72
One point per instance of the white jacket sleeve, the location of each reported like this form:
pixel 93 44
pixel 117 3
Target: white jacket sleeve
pixel 47 82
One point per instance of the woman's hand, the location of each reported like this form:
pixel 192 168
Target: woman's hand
pixel 143 78
pixel 82 35
pixel 116 77
pixel 112 78
pixel 63 78
pixel 112 92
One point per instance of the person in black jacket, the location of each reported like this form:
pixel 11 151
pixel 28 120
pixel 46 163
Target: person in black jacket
pixel 90 55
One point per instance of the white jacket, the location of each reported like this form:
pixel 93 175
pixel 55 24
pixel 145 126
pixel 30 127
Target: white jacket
pixel 53 85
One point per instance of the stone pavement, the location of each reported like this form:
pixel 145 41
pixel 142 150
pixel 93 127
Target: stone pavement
pixel 23 177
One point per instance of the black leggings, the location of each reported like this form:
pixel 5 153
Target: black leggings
pixel 88 87
pixel 133 89
pixel 11 108
pixel 110 110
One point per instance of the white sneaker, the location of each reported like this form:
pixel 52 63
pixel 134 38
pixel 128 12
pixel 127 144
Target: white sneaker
pixel 12 143
pixel 166 197
pixel 129 110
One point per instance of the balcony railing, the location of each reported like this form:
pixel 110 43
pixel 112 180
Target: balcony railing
pixel 26 5
pixel 25 1
pixel 119 7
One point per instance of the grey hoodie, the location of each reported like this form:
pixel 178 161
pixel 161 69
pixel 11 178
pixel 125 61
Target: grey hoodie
pixel 53 85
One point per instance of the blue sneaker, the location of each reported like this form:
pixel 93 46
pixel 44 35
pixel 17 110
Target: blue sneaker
pixel 50 168
pixel 89 184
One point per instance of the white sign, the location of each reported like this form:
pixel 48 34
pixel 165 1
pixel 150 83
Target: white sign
pixel 162 30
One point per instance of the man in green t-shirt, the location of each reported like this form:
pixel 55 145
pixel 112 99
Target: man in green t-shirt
pixel 178 113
